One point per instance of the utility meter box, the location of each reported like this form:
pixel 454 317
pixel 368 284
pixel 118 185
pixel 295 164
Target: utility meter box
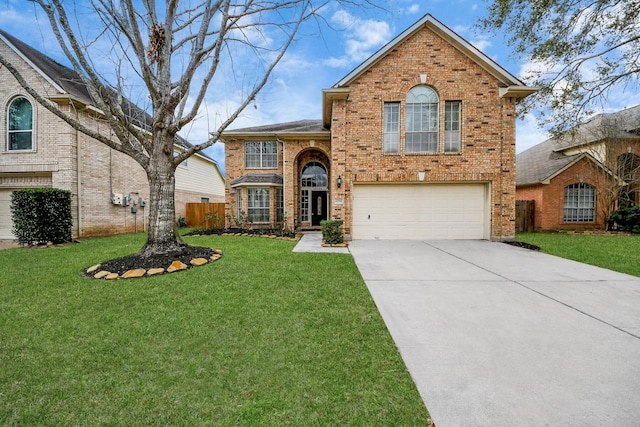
pixel 117 199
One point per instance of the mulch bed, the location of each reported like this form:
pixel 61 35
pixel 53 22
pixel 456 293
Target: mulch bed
pixel 131 262
pixel 524 245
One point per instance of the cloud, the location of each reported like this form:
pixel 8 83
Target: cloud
pixel 413 9
pixel 364 36
pixel 529 133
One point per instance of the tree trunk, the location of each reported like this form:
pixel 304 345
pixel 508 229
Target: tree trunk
pixel 163 236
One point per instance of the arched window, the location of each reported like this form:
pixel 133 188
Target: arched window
pixel 20 125
pixel 579 203
pixel 422 120
pixel 314 175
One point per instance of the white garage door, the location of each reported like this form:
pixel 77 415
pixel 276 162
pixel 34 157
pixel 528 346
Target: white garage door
pixel 5 215
pixel 420 211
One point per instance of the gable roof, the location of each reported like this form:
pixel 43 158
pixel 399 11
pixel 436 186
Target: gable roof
pixel 543 161
pixel 450 36
pixel 511 86
pixel 70 85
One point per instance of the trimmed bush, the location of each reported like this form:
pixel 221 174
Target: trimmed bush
pixel 41 215
pixel 332 231
pixel 627 219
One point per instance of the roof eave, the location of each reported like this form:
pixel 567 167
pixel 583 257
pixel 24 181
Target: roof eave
pixel 328 96
pixel 517 91
pixel 230 135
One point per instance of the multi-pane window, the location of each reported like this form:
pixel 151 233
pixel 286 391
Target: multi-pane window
pixel 279 205
pixel 451 126
pixel 391 127
pixel 258 204
pixel 239 201
pixel 20 125
pixel 422 120
pixel 579 203
pixel 261 154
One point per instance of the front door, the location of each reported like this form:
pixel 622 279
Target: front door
pixel 318 207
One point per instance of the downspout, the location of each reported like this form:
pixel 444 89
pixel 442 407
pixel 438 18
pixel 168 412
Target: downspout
pixel 284 181
pixel 78 174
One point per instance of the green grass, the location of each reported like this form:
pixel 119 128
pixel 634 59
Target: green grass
pixel 618 252
pixel 262 337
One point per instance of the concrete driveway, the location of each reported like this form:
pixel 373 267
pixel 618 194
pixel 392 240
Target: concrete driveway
pixel 495 335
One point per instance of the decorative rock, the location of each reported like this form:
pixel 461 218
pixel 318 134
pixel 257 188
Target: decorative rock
pixel 138 272
pixel 215 257
pixel 93 268
pixel 217 251
pixel 198 261
pixel 101 274
pixel 112 276
pixel 154 271
pixel 175 266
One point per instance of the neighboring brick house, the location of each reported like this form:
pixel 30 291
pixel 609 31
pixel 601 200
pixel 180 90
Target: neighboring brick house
pixel 578 179
pixel 40 150
pixel 416 142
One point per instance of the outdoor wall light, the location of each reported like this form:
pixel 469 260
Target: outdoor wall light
pixel 339 181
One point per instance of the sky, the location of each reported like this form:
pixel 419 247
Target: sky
pixel 316 60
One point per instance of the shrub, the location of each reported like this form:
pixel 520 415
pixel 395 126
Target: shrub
pixel 332 231
pixel 41 215
pixel 627 219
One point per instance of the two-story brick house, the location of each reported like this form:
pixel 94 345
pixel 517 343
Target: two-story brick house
pixel 38 149
pixel 416 142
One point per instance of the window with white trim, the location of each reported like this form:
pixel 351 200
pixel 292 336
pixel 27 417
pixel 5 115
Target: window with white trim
pixel 258 205
pixel 391 127
pixel 579 203
pixel 422 120
pixel 20 125
pixel 239 201
pixel 452 126
pixel 261 154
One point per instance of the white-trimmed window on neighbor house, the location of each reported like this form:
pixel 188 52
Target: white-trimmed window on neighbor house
pixel 579 203
pixel 422 120
pixel 391 142
pixel 20 125
pixel 452 126
pixel 258 205
pixel 261 154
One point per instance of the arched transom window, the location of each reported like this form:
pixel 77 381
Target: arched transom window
pixel 314 175
pixel 20 125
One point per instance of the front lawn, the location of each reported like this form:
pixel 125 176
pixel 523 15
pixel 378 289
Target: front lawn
pixel 261 337
pixel 618 252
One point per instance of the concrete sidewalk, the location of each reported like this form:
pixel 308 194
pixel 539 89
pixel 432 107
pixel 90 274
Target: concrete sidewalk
pixel 495 335
pixel 312 242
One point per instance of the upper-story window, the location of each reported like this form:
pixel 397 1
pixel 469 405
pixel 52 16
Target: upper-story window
pixel 261 154
pixel 391 127
pixel 422 120
pixel 20 125
pixel 452 126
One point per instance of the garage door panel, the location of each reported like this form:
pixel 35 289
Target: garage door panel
pixel 424 211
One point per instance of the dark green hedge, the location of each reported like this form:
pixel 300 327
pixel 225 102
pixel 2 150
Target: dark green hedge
pixel 332 231
pixel 627 219
pixel 41 215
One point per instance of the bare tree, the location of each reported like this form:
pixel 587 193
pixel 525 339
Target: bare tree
pixel 580 52
pixel 175 48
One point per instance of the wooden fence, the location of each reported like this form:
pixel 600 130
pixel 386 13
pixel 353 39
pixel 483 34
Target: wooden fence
pixel 205 215
pixel 525 215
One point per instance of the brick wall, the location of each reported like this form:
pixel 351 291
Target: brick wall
pixel 487 129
